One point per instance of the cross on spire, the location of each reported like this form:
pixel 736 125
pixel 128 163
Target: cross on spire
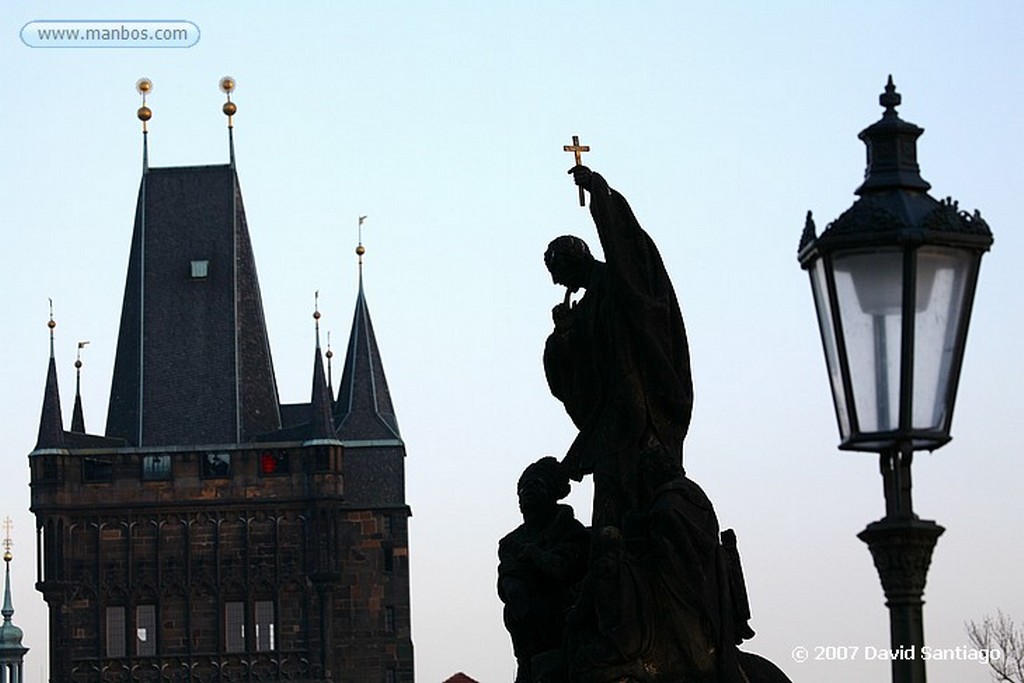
pixel 577 149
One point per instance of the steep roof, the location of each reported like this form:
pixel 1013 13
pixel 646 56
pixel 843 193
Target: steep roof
pixel 364 411
pixel 51 420
pixel 193 360
pixel 320 403
pixel 77 414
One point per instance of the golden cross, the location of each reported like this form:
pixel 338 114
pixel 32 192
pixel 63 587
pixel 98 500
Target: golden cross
pixel 577 149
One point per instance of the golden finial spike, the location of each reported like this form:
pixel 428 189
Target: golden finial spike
pixel 227 86
pixel 78 357
pixel 8 543
pixel 316 316
pixel 51 324
pixel 360 250
pixel 144 86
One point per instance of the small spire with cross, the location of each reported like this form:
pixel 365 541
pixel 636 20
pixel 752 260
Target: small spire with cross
pixel 577 149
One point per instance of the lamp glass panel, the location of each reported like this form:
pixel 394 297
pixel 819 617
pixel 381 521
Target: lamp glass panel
pixel 823 306
pixel 869 293
pixel 941 283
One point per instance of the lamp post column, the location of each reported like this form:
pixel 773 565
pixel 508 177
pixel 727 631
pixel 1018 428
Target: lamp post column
pixel 901 546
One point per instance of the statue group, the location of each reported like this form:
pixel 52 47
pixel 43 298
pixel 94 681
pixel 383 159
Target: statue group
pixel 652 591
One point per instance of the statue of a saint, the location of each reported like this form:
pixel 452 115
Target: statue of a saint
pixel 540 563
pixel 618 358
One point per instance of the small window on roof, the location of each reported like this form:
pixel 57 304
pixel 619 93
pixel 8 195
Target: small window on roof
pixel 200 269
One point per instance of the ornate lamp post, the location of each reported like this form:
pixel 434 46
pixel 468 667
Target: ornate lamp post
pixel 893 280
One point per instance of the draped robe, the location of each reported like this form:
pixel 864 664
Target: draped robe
pixel 621 366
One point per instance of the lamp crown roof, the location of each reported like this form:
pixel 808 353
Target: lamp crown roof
pixel 891 149
pixel 893 203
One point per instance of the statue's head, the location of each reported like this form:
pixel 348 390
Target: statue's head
pixel 569 261
pixel 541 486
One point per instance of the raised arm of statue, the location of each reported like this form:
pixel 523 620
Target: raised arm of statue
pixel 630 253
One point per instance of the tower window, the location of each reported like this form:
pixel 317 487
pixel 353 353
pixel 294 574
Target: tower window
pixel 234 626
pixel 264 618
pixel 216 465
pixel 115 632
pixel 145 630
pixel 156 467
pixel 97 469
pixel 200 269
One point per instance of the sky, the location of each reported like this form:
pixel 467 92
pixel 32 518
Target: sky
pixel 443 123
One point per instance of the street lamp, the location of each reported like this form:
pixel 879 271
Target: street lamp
pixel 893 280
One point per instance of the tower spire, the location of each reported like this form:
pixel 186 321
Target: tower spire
pixel 144 86
pixel 363 411
pixel 8 608
pixel 227 86
pixel 12 652
pixel 321 419
pixel 78 416
pixel 51 422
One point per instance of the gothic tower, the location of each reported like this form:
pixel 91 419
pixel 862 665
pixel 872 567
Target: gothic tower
pixel 213 533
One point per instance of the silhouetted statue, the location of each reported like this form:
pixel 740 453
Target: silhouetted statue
pixel 663 600
pixel 540 563
pixel 618 358
pixel 660 598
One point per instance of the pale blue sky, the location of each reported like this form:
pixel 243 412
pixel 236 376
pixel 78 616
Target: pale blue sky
pixel 723 123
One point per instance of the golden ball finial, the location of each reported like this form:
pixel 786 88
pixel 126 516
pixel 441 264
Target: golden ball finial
pixel 8 556
pixel 360 250
pixel 330 354
pixel 316 315
pixel 145 113
pixel 144 86
pixel 227 85
pixel 230 108
pixel 52 324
